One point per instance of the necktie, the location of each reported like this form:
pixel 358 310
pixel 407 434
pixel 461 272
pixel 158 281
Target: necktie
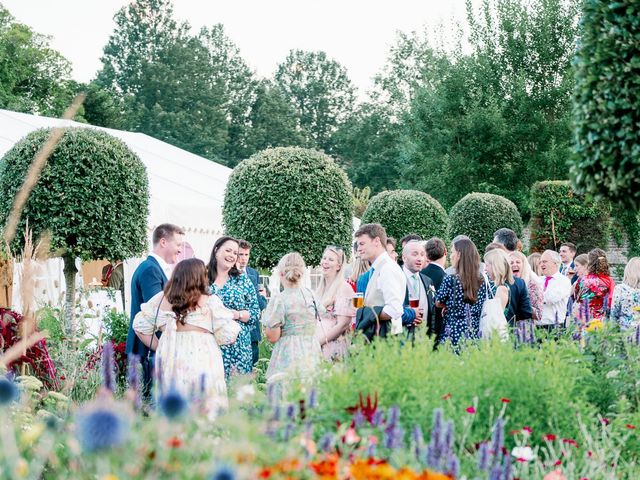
pixel 546 282
pixel 416 285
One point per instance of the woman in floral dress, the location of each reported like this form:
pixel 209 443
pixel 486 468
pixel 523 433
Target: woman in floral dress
pixel 462 294
pixel 595 290
pixel 187 354
pixel 626 297
pixel 238 294
pixel 290 322
pixel 336 296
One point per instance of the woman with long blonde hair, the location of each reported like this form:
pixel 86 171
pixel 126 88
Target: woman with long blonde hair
pixel 626 296
pixel 521 268
pixel 335 294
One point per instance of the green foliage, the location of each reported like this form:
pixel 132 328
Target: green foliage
pixel 361 199
pixel 479 215
pixel 558 214
pixel 34 78
pixel 541 384
pixel 607 104
pixel 319 90
pixel 407 211
pixel 497 119
pixel 285 199
pixel 92 196
pixel 116 326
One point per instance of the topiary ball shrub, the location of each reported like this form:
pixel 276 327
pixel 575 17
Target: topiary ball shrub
pixel 92 196
pixel 288 198
pixel 607 102
pixel 558 215
pixel 402 212
pixel 479 215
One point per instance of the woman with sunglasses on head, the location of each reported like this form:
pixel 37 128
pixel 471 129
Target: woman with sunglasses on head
pixel 194 324
pixel 335 295
pixel 290 322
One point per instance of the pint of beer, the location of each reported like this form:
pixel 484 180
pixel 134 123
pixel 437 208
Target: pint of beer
pixel 414 302
pixel 358 300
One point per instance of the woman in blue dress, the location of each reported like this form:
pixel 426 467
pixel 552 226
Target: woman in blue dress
pixel 462 294
pixel 238 294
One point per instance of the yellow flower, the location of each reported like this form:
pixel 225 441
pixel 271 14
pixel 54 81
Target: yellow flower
pixel 110 476
pixel 594 325
pixel 32 434
pixel 636 308
pixel 22 468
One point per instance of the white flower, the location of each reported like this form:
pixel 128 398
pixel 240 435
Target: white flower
pixel 245 392
pixel 523 453
pixel 612 374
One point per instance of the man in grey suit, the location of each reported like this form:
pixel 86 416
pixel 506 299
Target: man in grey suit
pixel 244 253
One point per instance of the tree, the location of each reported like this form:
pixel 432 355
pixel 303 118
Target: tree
pixel 273 122
pixel 284 199
pixel 607 103
pixel 92 198
pixel 163 77
pixel 497 119
pixel 34 78
pixel 320 91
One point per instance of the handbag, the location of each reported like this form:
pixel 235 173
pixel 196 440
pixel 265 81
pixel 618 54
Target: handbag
pixel 150 351
pixel 492 318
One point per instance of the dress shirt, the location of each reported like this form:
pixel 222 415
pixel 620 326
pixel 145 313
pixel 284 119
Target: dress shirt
pixel 393 284
pixel 166 268
pixel 415 285
pixel 555 298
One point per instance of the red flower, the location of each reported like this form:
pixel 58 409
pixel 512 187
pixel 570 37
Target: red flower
pixel 527 430
pixel 589 453
pixel 631 427
pixel 558 462
pixel 521 460
pixel 470 410
pixel 605 421
pixel 550 437
pixel 505 400
pixel 367 409
pixel 174 442
pixel 446 397
pixel 570 441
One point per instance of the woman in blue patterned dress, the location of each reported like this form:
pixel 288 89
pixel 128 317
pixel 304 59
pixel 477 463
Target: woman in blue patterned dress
pixel 462 294
pixel 238 294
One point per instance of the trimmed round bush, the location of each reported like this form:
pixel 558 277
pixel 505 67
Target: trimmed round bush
pixel 479 215
pixel 558 215
pixel 607 102
pixel 402 212
pixel 289 199
pixel 92 198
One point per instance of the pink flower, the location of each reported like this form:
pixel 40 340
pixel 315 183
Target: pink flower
pixel 351 436
pixel 527 431
pixel 471 410
pixel 555 475
pixel 605 421
pixel 570 441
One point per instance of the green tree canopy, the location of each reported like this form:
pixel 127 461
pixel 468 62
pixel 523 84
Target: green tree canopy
pixel 285 199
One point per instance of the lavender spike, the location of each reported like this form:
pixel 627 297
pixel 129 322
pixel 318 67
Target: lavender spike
pixel 483 456
pixel 108 367
pixel 133 378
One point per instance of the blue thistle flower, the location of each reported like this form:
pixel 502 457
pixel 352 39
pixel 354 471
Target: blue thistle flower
pixel 101 428
pixel 108 367
pixel 223 472
pixel 8 391
pixel 483 456
pixel 172 405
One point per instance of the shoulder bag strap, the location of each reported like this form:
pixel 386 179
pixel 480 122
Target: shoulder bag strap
pixel 155 323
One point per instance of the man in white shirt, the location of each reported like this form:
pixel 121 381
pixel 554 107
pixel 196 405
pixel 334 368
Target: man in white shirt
pixel 557 289
pixel 387 284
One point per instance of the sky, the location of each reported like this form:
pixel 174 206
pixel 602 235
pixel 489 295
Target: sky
pixel 356 33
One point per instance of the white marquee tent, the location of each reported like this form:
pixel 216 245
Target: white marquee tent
pixel 185 189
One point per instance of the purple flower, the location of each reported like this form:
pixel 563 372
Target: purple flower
pixel 291 411
pixel 394 415
pixel 496 473
pixel 133 378
pixel 377 418
pixel 497 441
pixel 313 398
pixel 483 456
pixel 506 467
pixel 453 466
pixel 326 442
pixel 358 418
pixel 288 431
pixel 417 438
pixel 276 413
pixel 448 439
pixel 108 367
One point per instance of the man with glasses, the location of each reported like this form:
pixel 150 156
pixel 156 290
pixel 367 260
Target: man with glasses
pixel 557 288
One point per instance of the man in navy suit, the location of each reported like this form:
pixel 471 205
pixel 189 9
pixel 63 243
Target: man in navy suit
pixel 149 279
pixel 437 256
pixel 244 253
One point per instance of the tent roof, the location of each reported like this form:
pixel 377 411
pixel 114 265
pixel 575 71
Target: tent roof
pixel 184 188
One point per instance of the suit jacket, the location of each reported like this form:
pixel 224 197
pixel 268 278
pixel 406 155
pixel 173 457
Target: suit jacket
pixel 519 306
pixel 147 281
pixel 436 274
pixel 254 276
pixel 367 321
pixel 429 311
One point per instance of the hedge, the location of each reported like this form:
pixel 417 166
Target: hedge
pixel 479 215
pixel 402 212
pixel 289 198
pixel 557 209
pixel 607 102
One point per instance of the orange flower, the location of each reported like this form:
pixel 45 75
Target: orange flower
pixel 326 468
pixel 174 442
pixel 372 469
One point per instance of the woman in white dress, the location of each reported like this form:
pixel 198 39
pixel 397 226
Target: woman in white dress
pixel 194 324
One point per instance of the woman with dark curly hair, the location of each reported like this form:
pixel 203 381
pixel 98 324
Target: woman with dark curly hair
pixel 595 290
pixel 194 323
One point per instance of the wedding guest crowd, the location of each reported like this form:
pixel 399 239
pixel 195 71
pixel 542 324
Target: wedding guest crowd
pixel 198 326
